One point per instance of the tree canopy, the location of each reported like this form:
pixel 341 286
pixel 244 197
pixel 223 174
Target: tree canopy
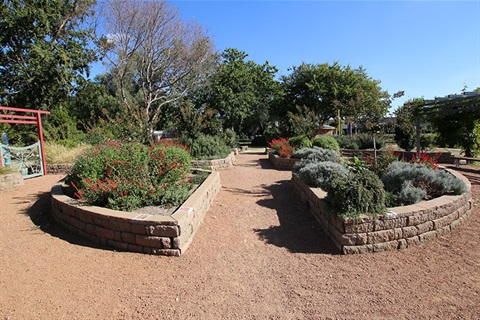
pixel 44 50
pixel 155 57
pixel 242 92
pixel 326 89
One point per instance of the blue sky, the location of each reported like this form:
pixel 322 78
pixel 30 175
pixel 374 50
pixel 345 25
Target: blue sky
pixel 425 48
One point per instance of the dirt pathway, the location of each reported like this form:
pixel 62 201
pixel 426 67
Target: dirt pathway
pixel 258 255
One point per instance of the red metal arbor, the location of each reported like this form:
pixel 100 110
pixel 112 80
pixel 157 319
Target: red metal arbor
pixel 26 119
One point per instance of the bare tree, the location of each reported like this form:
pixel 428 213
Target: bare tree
pixel 154 55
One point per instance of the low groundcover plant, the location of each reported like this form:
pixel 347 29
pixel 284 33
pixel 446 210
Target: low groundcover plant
pixel 127 176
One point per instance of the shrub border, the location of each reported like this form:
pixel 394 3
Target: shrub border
pixel 128 231
pixel 400 228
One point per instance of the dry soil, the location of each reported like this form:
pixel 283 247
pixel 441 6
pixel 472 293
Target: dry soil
pixel 258 255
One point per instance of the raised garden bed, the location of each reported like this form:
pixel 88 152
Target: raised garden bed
pixel 400 228
pixel 282 163
pixel 216 164
pixel 168 235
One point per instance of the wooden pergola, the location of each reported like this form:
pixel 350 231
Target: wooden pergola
pixel 35 119
pixel 466 102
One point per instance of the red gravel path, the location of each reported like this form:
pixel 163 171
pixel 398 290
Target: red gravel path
pixel 258 255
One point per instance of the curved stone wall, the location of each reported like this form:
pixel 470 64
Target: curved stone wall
pixel 215 165
pixel 59 168
pixel 400 228
pixel 282 163
pixel 10 181
pixel 151 234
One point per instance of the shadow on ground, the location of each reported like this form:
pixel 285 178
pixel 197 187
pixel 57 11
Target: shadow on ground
pixel 298 231
pixel 470 173
pixel 40 214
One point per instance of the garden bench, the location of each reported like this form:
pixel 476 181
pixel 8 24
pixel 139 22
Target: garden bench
pixel 457 159
pixel 244 144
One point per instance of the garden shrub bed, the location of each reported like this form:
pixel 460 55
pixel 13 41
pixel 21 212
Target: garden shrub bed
pixel 10 181
pixel 282 163
pixel 129 231
pixel 216 164
pixel 399 228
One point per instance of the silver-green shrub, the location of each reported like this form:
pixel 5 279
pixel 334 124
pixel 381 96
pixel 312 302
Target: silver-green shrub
pixel 356 194
pixel 403 180
pixel 315 154
pixel 319 174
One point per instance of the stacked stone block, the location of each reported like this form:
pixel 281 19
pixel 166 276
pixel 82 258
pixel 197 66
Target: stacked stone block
pixel 399 228
pixel 128 231
pixel 282 163
pixel 217 164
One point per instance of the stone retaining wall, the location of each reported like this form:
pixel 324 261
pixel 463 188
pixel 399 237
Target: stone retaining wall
pixel 10 181
pixel 60 168
pixel 281 163
pixel 215 165
pixel 400 228
pixel 151 234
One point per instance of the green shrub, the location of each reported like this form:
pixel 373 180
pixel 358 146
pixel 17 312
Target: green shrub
pixel 318 174
pixel 300 142
pixel 384 159
pixel 403 180
pixel 230 138
pixel 365 141
pixel 207 147
pixel 129 176
pixel 315 154
pixel 326 142
pixel 427 141
pixel 405 135
pixel 347 142
pixel 356 194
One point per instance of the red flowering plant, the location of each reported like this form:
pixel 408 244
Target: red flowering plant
pixel 429 162
pixel 281 147
pixel 129 176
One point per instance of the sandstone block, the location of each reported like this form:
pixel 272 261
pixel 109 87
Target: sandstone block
pixel 149 241
pixel 409 232
pixel 385 246
pixel 402 244
pixel 427 236
pixel 425 227
pixel 357 249
pixel 164 231
pixel 380 236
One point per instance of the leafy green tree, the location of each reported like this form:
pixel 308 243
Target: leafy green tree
pixel 405 134
pixel 242 92
pixel 44 50
pixel 94 102
pixel 457 129
pixel 327 89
